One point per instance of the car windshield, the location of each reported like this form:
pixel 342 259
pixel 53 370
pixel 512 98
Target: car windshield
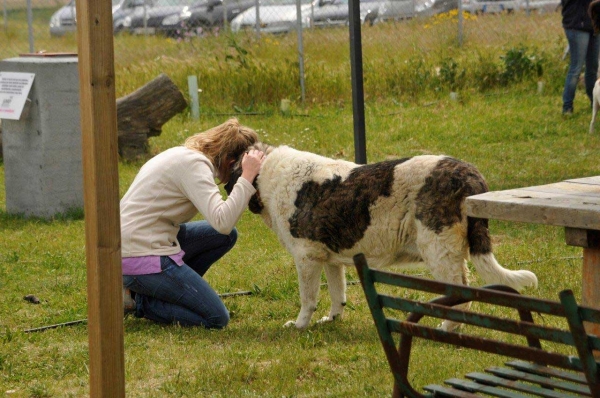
pixel 283 2
pixel 116 2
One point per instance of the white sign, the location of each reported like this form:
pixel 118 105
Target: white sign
pixel 14 89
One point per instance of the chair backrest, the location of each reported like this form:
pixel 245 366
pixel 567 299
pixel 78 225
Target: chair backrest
pixel 398 358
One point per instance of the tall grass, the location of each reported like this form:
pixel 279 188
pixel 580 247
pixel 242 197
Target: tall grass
pixel 402 60
pixel 514 135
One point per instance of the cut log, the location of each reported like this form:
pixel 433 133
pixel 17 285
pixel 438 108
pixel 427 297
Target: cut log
pixel 142 114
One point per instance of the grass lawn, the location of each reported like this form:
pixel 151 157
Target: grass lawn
pixel 515 138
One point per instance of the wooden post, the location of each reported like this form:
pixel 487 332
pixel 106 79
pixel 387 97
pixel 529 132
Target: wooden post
pixel 591 285
pixel 101 198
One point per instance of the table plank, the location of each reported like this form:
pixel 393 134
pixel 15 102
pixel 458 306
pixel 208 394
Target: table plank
pixel 568 188
pixel 595 180
pixel 532 206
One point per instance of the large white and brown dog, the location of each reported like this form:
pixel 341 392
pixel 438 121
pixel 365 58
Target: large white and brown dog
pixel 324 211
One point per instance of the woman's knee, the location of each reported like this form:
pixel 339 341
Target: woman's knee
pixel 218 320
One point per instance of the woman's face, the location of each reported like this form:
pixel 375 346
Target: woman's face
pixel 224 171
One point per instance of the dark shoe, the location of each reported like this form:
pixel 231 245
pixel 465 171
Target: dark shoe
pixel 567 112
pixel 128 302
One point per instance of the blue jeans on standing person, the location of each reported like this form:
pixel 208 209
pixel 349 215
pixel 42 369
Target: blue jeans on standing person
pixel 179 294
pixel 584 48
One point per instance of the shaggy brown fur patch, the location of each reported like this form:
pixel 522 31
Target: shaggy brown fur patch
pixel 440 199
pixel 336 212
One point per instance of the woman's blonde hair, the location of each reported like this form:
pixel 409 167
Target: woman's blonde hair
pixel 223 143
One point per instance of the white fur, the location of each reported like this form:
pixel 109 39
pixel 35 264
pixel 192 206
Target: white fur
pixel 394 237
pixel 595 104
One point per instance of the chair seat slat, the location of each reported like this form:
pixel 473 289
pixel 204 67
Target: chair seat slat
pixel 576 377
pixel 476 387
pixel 544 381
pixel 438 390
pixel 516 385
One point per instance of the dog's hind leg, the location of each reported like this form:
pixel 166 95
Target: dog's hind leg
pixel 595 107
pixel 309 281
pixel 336 284
pixel 445 255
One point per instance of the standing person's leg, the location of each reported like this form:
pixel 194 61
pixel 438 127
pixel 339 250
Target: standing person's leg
pixel 578 44
pixel 203 245
pixel 591 65
pixel 177 295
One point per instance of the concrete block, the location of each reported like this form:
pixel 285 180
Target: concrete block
pixel 42 151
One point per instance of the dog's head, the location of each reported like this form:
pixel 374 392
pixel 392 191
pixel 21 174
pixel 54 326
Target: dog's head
pixel 255 205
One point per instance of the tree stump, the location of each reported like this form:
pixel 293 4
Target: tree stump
pixel 142 114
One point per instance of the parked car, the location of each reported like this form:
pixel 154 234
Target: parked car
pixel 490 6
pixel 495 6
pixel 275 16
pixel 396 10
pixel 65 19
pixel 540 6
pixel 203 16
pixel 148 19
pixel 336 12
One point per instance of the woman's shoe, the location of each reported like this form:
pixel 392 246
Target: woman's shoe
pixel 128 302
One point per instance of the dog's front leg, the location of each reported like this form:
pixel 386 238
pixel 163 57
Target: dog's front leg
pixel 309 280
pixel 595 107
pixel 336 283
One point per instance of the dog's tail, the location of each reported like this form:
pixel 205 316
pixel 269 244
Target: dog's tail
pixel 487 267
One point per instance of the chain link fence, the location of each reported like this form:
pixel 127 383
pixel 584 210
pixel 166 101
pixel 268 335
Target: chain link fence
pixel 307 34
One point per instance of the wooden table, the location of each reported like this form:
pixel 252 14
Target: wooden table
pixel 573 204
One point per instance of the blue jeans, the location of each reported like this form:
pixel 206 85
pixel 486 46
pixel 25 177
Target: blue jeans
pixel 584 48
pixel 179 294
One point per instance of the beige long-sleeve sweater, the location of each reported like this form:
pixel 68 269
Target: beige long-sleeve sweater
pixel 170 189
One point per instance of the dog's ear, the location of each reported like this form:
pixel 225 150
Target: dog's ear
pixel 594 12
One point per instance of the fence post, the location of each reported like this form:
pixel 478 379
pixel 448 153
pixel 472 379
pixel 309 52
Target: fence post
pixel 224 16
pixel 460 23
pixel 5 18
pixel 145 24
pixel 300 48
pixel 30 25
pixel 193 90
pixel 257 8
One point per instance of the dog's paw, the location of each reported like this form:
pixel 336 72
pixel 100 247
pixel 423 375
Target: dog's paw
pixel 289 324
pixel 449 326
pixel 325 319
pixel 298 325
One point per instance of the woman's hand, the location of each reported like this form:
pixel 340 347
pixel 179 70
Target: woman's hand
pixel 251 163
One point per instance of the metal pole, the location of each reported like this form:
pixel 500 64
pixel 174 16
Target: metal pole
pixel 5 17
pixel 460 23
pixel 145 20
pixel 30 25
pixel 257 8
pixel 224 2
pixel 358 97
pixel 193 89
pixel 300 48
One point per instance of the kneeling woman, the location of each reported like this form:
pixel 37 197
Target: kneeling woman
pixel 164 254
